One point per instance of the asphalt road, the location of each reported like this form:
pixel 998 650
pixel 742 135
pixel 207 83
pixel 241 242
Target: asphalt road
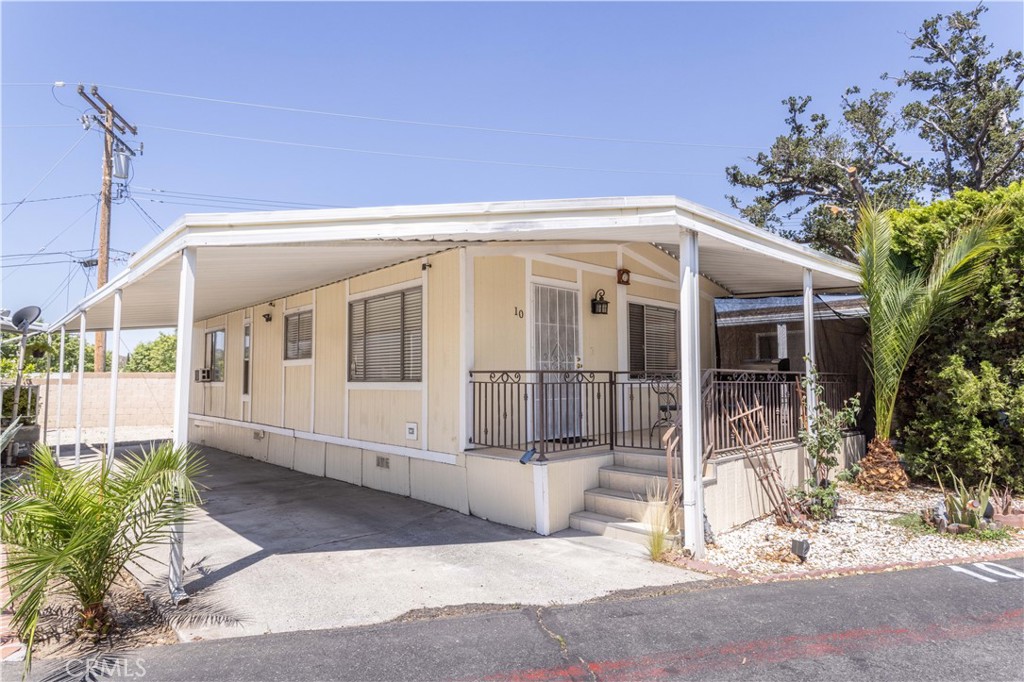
pixel 937 623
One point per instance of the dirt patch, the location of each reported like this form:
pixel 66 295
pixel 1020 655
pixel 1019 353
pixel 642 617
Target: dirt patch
pixel 136 624
pixel 437 612
pixel 667 590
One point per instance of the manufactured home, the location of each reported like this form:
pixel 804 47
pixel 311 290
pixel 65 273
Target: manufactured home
pixel 518 361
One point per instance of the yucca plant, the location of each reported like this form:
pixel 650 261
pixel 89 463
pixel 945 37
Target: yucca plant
pixel 661 516
pixel 75 530
pixel 965 505
pixel 904 301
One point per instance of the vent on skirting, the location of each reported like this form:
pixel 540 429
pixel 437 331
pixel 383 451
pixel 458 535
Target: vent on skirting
pixel 383 462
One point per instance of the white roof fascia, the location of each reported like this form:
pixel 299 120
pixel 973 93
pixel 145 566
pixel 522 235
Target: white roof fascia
pixel 748 236
pixel 659 217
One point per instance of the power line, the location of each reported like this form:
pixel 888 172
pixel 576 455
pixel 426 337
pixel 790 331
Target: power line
pixel 43 248
pixel 155 226
pixel 412 122
pixel 36 201
pixel 428 157
pixel 245 199
pixel 40 125
pixel 42 179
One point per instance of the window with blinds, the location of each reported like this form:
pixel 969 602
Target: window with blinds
pixel 298 336
pixel 653 339
pixel 386 337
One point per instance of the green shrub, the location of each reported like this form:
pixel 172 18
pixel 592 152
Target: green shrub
pixel 818 502
pixel 961 402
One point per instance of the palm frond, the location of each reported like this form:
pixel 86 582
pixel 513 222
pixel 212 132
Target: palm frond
pixel 904 302
pixel 76 529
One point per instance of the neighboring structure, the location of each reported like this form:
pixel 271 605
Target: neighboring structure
pixel 422 350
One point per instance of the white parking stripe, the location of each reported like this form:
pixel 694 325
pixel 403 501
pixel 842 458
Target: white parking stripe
pixel 961 569
pixel 999 569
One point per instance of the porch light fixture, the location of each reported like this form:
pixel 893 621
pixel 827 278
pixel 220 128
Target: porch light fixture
pixel 267 317
pixel 599 306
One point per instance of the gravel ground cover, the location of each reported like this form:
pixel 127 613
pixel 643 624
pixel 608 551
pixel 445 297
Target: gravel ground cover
pixel 861 535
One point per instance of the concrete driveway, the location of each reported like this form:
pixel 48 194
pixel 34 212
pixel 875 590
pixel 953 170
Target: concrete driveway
pixel 274 550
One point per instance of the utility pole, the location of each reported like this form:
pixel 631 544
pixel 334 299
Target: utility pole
pixel 112 124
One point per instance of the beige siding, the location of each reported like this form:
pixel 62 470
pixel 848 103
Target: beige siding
pixel 565 274
pixel 268 354
pixel 607 259
pixel 638 268
pixel 379 415
pixel 501 490
pixel 197 391
pixel 331 348
pixel 656 256
pixel 668 293
pixel 299 300
pixel 298 396
pixel 233 365
pixel 499 288
pixel 444 383
pixel 600 340
pixel 382 278
pixel 441 484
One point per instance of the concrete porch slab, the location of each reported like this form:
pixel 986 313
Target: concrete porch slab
pixel 274 550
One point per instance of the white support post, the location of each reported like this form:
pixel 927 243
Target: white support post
pixel 81 389
pixel 812 397
pixel 115 347
pixel 60 392
pixel 689 378
pixel 183 371
pixel 782 340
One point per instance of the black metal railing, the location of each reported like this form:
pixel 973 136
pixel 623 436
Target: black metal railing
pixel 555 411
pixel 549 410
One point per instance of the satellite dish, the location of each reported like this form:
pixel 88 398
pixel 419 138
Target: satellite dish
pixel 24 318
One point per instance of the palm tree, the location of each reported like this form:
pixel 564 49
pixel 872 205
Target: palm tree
pixel 76 529
pixel 904 302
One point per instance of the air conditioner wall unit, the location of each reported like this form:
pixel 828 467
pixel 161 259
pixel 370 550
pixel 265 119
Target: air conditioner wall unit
pixel 203 375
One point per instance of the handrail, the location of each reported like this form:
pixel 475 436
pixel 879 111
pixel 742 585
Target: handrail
pixel 559 410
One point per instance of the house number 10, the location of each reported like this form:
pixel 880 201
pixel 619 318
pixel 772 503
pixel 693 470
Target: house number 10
pixel 516 312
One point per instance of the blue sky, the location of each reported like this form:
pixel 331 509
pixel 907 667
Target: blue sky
pixel 696 73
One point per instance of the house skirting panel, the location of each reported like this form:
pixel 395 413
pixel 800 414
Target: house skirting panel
pixel 732 495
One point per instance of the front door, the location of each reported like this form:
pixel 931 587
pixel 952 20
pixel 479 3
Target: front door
pixel 556 351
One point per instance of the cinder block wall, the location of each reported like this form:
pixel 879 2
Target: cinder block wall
pixel 143 399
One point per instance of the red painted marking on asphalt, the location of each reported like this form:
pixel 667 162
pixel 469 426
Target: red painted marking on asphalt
pixel 776 650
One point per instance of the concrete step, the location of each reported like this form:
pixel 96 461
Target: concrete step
pixel 650 461
pixel 630 479
pixel 620 503
pixel 610 526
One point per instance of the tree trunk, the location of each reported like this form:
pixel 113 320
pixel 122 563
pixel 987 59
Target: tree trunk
pixel 881 469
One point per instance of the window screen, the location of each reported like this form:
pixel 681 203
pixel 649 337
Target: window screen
pixel 246 357
pixel 653 339
pixel 215 354
pixel 298 336
pixel 386 337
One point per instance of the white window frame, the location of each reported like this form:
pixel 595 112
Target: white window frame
pixel 398 384
pixel 208 353
pixel 648 303
pixel 247 369
pixel 292 362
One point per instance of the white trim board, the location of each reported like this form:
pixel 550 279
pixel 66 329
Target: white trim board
pixel 385 448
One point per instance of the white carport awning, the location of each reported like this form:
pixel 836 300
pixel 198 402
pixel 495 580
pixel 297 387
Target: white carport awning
pixel 249 258
pixel 229 278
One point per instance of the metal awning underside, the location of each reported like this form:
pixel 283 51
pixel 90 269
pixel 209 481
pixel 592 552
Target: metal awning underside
pixel 245 259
